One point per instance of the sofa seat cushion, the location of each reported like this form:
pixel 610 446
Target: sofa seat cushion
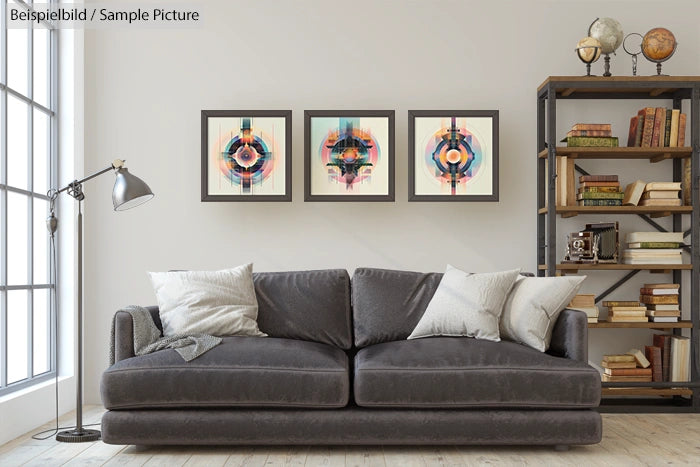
pixel 241 371
pixel 462 372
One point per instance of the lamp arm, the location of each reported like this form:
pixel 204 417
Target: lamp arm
pixel 117 164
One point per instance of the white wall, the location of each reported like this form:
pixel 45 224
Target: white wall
pixel 145 90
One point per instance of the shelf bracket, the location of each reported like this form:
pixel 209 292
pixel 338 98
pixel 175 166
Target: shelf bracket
pixel 660 157
pixel 617 284
pixel 658 91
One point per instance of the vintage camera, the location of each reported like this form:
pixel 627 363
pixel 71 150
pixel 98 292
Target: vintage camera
pixel 598 243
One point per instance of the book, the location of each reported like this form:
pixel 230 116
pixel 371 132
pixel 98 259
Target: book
pixel 632 135
pixel 598 178
pixel 651 251
pixel 570 181
pixel 660 202
pixel 653 245
pixel 605 364
pixel 640 129
pixel 661 307
pixel 653 354
pixel 589 133
pixel 667 129
pixel 664 313
pixel 633 193
pixel 663 186
pixel 656 299
pixel 627 319
pixel 665 285
pixel 610 184
pixel 627 379
pixel 659 260
pixel 592 126
pixel 646 291
pixel 663 341
pixel 627 313
pixel 680 359
pixel 610 303
pixel 618 358
pixel 681 130
pixel 663 319
pixel 591 141
pixel 591 311
pixel 582 300
pixel 660 194
pixel 676 237
pixel 659 124
pixel 601 195
pixel 599 189
pixel 628 371
pixel 592 319
pixel 639 357
pixel 648 130
pixel 675 117
pixel 627 308
pixel 600 202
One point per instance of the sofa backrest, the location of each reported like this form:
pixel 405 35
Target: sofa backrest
pixel 388 304
pixel 306 305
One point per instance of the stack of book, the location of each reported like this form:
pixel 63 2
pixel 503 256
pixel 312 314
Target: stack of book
pixel 654 127
pixel 585 303
pixel 630 367
pixel 675 359
pixel 653 248
pixel 599 190
pixel 626 312
pixel 591 135
pixel 661 301
pixel 661 194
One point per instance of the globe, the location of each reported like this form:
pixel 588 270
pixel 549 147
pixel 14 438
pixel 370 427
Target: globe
pixel 658 44
pixel 588 49
pixel 609 32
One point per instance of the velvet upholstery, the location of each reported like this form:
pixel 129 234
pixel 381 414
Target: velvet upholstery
pixel 351 426
pixel 241 371
pixel 570 336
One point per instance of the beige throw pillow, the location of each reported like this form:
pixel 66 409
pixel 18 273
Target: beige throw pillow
pixel 220 303
pixel 466 304
pixel 533 306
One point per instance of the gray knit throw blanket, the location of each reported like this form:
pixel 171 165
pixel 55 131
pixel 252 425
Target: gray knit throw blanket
pixel 147 337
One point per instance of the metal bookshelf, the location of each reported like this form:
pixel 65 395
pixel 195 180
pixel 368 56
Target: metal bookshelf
pixel 624 397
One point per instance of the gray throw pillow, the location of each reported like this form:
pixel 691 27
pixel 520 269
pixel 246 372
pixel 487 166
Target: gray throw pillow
pixel 466 304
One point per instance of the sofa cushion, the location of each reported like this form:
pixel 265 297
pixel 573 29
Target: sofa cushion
pixel 387 304
pixel 461 372
pixel 306 305
pixel 241 371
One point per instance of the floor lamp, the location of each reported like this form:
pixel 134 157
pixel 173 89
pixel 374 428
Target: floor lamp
pixel 129 191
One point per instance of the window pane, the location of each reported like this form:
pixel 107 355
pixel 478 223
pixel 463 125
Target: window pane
pixel 41 242
pixel 17 148
pixel 42 329
pixel 41 65
pixel 41 152
pixel 16 335
pixel 17 59
pixel 17 238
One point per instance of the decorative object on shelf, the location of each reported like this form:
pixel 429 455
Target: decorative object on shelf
pixel 129 191
pixel 588 51
pixel 453 155
pixel 246 155
pixel 597 243
pixel 658 45
pixel 349 155
pixel 633 50
pixel 608 32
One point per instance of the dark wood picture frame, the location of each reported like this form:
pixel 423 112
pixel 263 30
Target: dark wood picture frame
pixel 287 115
pixel 412 115
pixel 389 115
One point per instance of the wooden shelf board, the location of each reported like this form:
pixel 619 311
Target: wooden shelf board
pixel 653 154
pixel 647 392
pixel 655 211
pixel 648 325
pixel 617 267
pixel 654 85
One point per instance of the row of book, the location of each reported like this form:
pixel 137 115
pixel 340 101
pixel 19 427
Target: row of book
pixel 668 359
pixel 653 248
pixel 591 135
pixel 639 193
pixel 655 127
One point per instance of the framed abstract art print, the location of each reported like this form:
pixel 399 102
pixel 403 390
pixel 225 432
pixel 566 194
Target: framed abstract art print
pixel 453 155
pixel 246 155
pixel 349 155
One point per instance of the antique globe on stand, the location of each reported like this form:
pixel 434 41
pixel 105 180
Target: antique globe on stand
pixel 658 45
pixel 588 51
pixel 609 33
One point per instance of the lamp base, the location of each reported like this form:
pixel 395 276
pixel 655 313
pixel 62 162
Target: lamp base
pixel 78 436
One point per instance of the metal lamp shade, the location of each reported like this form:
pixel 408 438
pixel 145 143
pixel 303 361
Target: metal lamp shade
pixel 129 191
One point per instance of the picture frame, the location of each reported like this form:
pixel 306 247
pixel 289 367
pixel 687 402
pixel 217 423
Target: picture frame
pixel 246 155
pixel 453 155
pixel 349 155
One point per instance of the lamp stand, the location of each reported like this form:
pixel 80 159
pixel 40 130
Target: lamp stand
pixel 79 434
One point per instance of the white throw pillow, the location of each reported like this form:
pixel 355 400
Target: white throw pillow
pixel 533 307
pixel 220 303
pixel 466 304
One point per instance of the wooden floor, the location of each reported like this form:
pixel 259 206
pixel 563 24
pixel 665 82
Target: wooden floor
pixel 627 440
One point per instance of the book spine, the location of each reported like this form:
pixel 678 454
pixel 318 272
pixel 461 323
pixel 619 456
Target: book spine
pixel 653 245
pixel 644 291
pixel 653 354
pixel 667 129
pixel 592 126
pixel 673 141
pixel 597 178
pixel 640 129
pixel 597 184
pixel 589 133
pixel 600 202
pixel 634 121
pixel 648 126
pixel 592 141
pixel 659 299
pixel 610 303
pixel 599 189
pixel 681 130
pixel 600 195
pixel 659 119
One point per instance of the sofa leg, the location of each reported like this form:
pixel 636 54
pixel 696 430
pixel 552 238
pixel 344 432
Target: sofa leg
pixel 561 447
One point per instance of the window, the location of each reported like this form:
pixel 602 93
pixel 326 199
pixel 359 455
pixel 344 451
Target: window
pixel 27 171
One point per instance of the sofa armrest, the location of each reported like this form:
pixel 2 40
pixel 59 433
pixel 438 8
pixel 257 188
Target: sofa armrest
pixel 124 333
pixel 570 336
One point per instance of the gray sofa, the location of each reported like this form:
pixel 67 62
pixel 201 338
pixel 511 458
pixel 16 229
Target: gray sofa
pixel 337 369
